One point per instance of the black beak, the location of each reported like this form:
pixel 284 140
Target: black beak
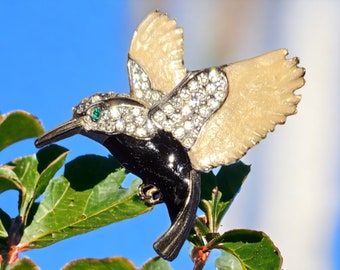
pixel 60 132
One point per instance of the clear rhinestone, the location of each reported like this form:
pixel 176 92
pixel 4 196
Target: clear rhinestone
pixel 95 98
pixel 204 111
pixel 128 117
pixel 143 76
pixel 130 128
pixel 88 123
pixel 188 142
pixel 176 117
pixel 136 111
pixel 138 85
pixel 159 116
pixel 114 112
pixel 184 94
pixel 101 125
pixel 145 86
pixel 188 125
pixel 141 132
pixel 221 84
pixel 168 109
pixel 138 93
pixel 213 103
pixel 105 115
pixel 203 79
pixel 122 110
pixel 147 94
pixel 177 103
pixel 211 88
pixel 140 120
pixel 214 75
pixel 155 96
pixel 194 102
pixel 202 94
pixel 120 126
pixel 167 125
pixel 111 127
pixel 198 121
pixel 179 133
pixel 220 96
pixel 79 109
pixel 193 85
pixel 186 110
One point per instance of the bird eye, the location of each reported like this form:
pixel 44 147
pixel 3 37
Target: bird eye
pixel 96 113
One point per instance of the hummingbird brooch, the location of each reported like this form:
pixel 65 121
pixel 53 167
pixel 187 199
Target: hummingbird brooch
pixel 176 123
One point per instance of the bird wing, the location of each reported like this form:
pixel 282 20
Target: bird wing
pixel 261 95
pixel 186 109
pixel 155 61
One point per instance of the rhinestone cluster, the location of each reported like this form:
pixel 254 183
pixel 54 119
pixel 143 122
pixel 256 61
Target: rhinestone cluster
pixel 186 111
pixel 88 102
pixel 141 86
pixel 120 118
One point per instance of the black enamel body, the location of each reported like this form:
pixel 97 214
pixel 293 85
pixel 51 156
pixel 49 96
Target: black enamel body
pixel 160 161
pixel 163 163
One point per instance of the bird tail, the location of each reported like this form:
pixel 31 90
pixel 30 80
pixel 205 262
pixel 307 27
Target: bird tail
pixel 170 243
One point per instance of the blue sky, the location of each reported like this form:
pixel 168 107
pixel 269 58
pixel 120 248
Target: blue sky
pixel 54 53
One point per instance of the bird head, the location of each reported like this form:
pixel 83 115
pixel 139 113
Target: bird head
pixel 102 115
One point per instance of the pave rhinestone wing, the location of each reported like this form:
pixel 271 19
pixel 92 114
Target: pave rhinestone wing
pixel 191 104
pixel 141 86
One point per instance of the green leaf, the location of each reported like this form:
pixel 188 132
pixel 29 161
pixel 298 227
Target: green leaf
pixel 5 221
pixel 26 170
pixel 120 263
pixel 199 232
pixel 211 209
pixel 17 126
pixel 229 179
pixel 48 155
pixel 70 207
pixel 253 249
pixel 156 263
pixel 8 179
pixel 103 264
pixel 50 160
pixel 214 203
pixel 23 174
pixel 227 262
pixel 86 171
pixel 21 264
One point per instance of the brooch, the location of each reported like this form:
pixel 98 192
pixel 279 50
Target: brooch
pixel 176 123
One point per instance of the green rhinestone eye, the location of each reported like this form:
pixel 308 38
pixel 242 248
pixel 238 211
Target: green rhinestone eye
pixel 96 113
